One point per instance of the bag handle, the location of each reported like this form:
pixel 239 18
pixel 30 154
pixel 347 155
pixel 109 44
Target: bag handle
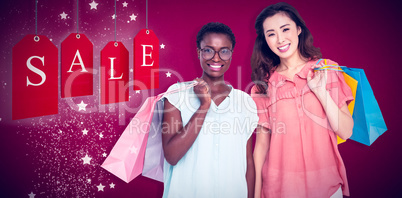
pixel 188 86
pixel 329 67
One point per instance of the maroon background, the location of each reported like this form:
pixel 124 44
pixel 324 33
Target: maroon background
pixel 364 34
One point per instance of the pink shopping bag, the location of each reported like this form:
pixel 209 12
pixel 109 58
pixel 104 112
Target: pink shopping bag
pixel 126 160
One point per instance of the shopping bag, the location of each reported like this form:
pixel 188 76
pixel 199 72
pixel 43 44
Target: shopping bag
pixel 126 159
pixel 369 123
pixel 154 158
pixel 351 82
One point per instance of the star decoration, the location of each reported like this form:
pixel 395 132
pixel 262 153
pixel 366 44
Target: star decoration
pixel 133 17
pixel 93 5
pixel 89 180
pixel 168 74
pixel 162 46
pixel 133 149
pixel 82 106
pixel 113 16
pixel 104 154
pixel 85 132
pixel 31 195
pixel 100 187
pixel 60 131
pixel 86 159
pixel 63 15
pixel 112 185
pixel 125 4
pixel 100 136
pixel 137 92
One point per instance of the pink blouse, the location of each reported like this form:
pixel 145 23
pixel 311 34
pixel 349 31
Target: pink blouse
pixel 303 159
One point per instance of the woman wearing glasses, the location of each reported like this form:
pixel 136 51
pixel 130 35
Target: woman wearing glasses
pixel 207 129
pixel 301 112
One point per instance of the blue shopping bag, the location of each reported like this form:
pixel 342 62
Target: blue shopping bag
pixel 368 121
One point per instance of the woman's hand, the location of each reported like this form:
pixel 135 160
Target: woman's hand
pixel 317 81
pixel 203 93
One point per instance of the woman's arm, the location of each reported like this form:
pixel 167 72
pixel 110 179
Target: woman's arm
pixel 176 139
pixel 339 118
pixel 260 152
pixel 250 174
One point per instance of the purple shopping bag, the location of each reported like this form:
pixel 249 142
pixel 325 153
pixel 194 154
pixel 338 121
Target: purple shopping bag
pixel 154 158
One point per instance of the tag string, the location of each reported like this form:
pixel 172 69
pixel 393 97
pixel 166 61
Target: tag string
pixel 115 21
pixel 77 16
pixel 146 14
pixel 36 17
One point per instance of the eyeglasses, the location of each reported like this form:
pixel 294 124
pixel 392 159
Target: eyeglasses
pixel 209 53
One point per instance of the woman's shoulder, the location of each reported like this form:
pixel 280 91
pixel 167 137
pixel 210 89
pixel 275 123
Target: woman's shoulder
pixel 324 61
pixel 179 85
pixel 240 93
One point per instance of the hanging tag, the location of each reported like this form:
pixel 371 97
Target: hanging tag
pixel 35 77
pixel 114 73
pixel 146 60
pixel 76 66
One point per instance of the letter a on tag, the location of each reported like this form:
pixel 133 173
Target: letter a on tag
pixel 35 78
pixel 76 66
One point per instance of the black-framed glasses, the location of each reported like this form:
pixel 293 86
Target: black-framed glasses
pixel 209 53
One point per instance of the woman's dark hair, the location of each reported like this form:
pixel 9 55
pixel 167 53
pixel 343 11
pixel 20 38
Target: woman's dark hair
pixel 215 27
pixel 263 60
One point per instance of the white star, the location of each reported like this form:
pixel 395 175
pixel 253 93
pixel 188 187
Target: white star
pixel 104 154
pixel 63 15
pixel 31 195
pixel 82 106
pixel 125 4
pixel 162 46
pixel 100 187
pixel 93 5
pixel 88 180
pixel 112 185
pixel 85 132
pixel 138 91
pixel 60 131
pixel 133 149
pixel 113 16
pixel 133 17
pixel 168 74
pixel 86 159
pixel 100 136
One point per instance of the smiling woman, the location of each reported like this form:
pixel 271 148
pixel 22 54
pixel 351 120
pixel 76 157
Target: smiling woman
pixel 203 158
pixel 300 159
pixel 213 65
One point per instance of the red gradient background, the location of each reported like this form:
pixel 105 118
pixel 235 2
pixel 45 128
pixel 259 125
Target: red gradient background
pixel 363 34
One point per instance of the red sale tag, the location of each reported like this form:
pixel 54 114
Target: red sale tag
pixel 114 73
pixel 35 78
pixel 76 66
pixel 146 60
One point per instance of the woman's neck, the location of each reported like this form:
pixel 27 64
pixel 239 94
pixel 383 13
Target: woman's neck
pixel 216 84
pixel 292 62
